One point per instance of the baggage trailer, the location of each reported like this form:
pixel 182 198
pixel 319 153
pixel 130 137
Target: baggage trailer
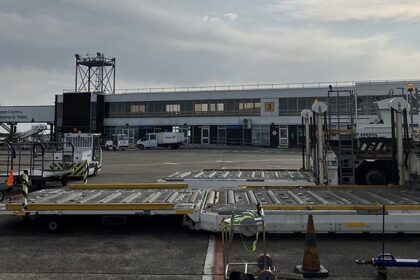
pixel 35 158
pixel 338 210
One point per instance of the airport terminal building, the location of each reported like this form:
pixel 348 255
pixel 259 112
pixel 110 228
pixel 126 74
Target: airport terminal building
pixel 260 115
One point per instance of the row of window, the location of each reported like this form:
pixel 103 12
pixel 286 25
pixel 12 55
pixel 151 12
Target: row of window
pixel 231 107
pixel 288 106
pixel 292 106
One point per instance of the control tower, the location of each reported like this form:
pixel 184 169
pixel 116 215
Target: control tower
pixel 95 74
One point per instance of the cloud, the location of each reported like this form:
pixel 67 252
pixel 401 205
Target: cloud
pixel 32 86
pixel 159 43
pixel 231 16
pixel 344 10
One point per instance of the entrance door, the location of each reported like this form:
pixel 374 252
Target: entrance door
pixel 205 135
pixel 130 134
pixel 283 136
pixel 221 134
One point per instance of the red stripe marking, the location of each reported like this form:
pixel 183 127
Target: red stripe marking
pixel 218 260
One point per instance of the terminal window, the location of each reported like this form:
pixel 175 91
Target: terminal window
pixel 203 107
pixel 173 108
pixel 138 108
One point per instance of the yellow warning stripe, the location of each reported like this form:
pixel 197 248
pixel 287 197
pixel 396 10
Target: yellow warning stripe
pixel 323 187
pixel 79 169
pixel 184 211
pixel 98 206
pixel 368 207
pixel 14 207
pixel 129 186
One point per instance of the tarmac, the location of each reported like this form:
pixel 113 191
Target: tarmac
pixel 161 248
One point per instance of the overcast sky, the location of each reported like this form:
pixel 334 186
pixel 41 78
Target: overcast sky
pixel 214 42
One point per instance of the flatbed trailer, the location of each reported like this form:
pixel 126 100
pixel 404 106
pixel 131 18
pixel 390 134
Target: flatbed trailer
pixel 230 178
pixel 337 210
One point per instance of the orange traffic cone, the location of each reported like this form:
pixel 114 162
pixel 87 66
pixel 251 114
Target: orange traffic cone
pixel 311 266
pixel 9 181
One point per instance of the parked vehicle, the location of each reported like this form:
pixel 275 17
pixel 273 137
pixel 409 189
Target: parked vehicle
pixel 82 152
pixel 118 142
pixel 172 140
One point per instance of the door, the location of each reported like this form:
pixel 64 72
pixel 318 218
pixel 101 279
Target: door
pixel 274 135
pixel 283 136
pixel 130 134
pixel 221 134
pixel 152 140
pixel 205 135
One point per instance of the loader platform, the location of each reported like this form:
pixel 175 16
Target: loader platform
pixel 351 210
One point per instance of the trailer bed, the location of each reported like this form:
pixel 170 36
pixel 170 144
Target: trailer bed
pixel 286 209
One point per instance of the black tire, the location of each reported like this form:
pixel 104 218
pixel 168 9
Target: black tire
pixel 64 180
pixel 35 185
pixel 2 195
pixel 375 177
pixel 141 147
pixel 53 226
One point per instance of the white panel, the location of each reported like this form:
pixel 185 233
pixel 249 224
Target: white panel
pixel 27 114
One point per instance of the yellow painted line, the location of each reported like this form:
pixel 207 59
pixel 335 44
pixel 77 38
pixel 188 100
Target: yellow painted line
pixel 355 224
pixel 98 207
pixel 184 211
pixel 129 186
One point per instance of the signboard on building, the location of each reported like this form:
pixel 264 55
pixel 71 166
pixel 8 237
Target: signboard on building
pixel 27 114
pixel 269 106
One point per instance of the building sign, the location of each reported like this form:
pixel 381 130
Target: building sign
pixel 269 106
pixel 27 114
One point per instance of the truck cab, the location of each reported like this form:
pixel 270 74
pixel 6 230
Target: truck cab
pixel 148 141
pixel 86 151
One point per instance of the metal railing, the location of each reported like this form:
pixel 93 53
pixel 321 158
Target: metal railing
pixel 245 87
pixel 232 87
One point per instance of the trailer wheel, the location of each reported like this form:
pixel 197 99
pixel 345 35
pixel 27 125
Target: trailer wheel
pixel 375 177
pixel 36 185
pixel 53 226
pixel 141 147
pixel 64 180
pixel 1 195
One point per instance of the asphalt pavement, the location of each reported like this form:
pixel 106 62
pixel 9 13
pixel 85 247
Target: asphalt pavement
pixel 160 247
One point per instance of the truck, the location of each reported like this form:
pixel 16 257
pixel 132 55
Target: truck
pixel 118 142
pixel 83 154
pixel 171 140
pixel 381 152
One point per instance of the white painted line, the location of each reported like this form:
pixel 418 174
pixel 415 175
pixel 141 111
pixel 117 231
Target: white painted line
pixel 225 161
pixel 209 261
pixel 170 163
